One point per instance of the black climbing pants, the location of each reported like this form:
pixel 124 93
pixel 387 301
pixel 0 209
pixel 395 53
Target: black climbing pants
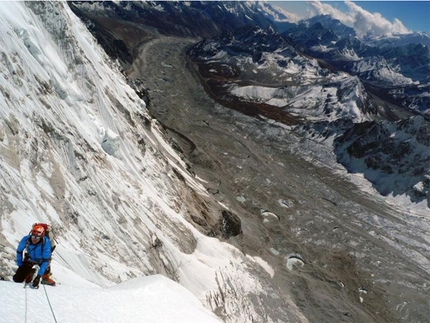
pixel 23 271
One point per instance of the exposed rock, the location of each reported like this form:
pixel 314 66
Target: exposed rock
pixel 231 225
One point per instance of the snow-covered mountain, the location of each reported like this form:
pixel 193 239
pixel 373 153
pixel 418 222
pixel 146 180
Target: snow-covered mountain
pixel 292 87
pixel 399 151
pixel 193 18
pixel 105 136
pixel 398 65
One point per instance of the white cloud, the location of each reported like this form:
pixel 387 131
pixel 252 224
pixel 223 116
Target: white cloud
pixel 320 8
pixel 285 15
pixel 364 22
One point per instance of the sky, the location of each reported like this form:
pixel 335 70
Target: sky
pixel 399 16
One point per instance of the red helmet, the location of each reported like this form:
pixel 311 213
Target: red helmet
pixel 38 230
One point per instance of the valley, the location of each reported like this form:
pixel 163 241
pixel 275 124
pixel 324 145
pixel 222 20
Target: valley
pixel 364 260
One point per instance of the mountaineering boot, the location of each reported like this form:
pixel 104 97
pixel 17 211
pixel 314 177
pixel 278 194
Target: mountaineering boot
pixel 46 280
pixel 30 275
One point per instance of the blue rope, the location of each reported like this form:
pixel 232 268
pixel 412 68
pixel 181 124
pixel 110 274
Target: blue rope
pixel 49 302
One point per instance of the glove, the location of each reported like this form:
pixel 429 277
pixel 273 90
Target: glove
pixel 36 281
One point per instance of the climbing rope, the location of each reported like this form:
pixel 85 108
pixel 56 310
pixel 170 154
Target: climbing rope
pixel 47 298
pixel 25 303
pixel 49 302
pixel 36 268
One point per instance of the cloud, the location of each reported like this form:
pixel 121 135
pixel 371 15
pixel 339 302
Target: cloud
pixel 320 8
pixel 364 22
pixel 285 15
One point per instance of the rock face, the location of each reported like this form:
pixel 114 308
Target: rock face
pixel 230 224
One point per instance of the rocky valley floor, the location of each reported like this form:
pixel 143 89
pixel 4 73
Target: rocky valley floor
pixel 342 255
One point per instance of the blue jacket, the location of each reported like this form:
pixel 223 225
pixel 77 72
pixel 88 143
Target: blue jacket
pixel 39 253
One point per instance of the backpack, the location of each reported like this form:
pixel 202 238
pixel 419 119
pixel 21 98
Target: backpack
pixel 48 233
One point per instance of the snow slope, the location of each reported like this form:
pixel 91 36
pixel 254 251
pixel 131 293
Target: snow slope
pixel 152 299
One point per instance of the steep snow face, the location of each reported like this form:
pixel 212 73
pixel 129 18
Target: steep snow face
pixel 61 105
pixel 79 150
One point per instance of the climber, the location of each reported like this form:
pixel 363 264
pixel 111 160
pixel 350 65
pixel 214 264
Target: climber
pixel 37 247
